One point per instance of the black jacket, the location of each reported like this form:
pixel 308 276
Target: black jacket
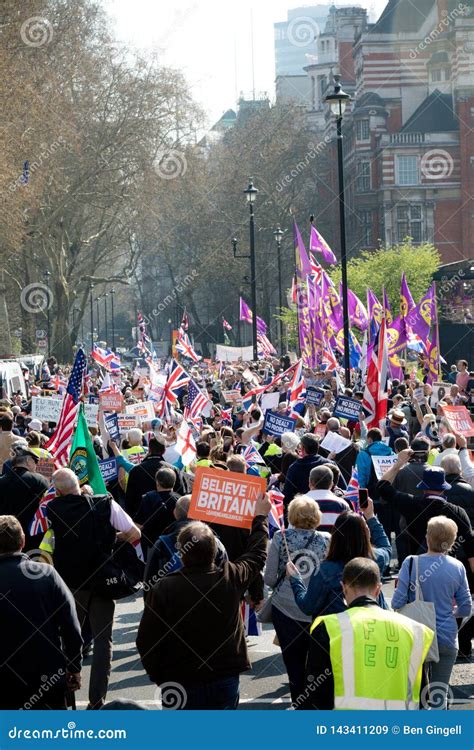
pixel 297 476
pixel 41 636
pixel 20 494
pixel 191 630
pixel 418 511
pixel 461 494
pixel 155 514
pixel 142 480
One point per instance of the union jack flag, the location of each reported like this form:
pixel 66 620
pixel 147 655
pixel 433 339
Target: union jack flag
pixel 252 456
pixel 39 522
pixel 108 386
pixel 58 445
pixel 184 347
pixel 329 361
pixel 196 400
pixel 297 386
pixel 103 357
pixel 184 322
pixel 251 625
pixel 177 379
pixel 375 393
pixel 352 491
pixel 276 515
pixel 226 415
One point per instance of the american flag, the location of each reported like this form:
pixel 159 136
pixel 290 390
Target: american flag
pixel 177 379
pixel 265 346
pixel 196 400
pixel 227 326
pixel 58 445
pixel 375 393
pixel 184 346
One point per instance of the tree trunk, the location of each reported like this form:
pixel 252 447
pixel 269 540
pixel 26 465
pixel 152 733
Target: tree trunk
pixel 5 341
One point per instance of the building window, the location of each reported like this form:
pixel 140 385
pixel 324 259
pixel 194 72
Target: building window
pixel 363 177
pixel 365 219
pixel 409 223
pixel 407 170
pixel 362 130
pixel 323 82
pixel 436 75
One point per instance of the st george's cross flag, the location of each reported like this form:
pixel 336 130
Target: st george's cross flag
pixel 185 443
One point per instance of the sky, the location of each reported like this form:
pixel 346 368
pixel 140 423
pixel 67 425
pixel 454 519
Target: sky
pixel 210 41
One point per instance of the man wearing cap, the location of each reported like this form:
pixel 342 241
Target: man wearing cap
pixel 21 490
pixel 418 511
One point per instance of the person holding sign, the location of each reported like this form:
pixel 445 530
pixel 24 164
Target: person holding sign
pixel 191 631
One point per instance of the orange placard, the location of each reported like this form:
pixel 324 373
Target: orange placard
pixel 225 497
pixel 320 431
pixel 459 420
pixel 111 401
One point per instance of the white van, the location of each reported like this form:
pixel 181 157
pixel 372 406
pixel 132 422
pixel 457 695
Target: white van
pixel 11 379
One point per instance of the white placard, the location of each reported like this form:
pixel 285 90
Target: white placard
pixel 440 390
pixel 382 464
pixel 49 409
pixel 234 353
pixel 144 410
pixel 269 402
pixel 334 443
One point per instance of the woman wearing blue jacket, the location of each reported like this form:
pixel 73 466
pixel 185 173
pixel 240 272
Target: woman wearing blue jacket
pixel 352 536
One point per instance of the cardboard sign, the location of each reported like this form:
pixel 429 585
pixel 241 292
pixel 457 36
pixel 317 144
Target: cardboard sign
pixel 459 420
pixel 276 424
pixel 382 464
pixel 144 410
pixel 314 396
pixel 232 397
pixel 108 469
pixel 49 409
pixel 112 426
pixel 45 467
pixel 440 390
pixel 269 402
pixel 111 401
pixel 347 408
pixel 320 431
pixel 126 422
pixel 225 497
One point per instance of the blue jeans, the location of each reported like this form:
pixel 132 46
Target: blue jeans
pixel 219 695
pixel 439 677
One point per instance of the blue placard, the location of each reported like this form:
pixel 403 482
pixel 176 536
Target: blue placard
pixel 314 395
pixel 347 408
pixel 112 425
pixel 275 424
pixel 108 469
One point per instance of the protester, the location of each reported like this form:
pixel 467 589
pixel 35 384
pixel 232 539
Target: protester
pixel 155 511
pixel 321 481
pixel 352 664
pixel 365 468
pixel 305 545
pixel 141 478
pixel 205 661
pixel 84 532
pixel 447 448
pixel 40 647
pixel 442 580
pixel 7 437
pixel 297 477
pixel 352 536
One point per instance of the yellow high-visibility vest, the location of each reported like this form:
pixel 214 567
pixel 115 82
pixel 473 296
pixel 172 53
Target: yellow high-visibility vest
pixel 376 658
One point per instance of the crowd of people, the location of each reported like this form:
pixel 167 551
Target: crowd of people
pixel 317 578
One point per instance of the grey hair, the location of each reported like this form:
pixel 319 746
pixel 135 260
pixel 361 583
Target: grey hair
pixel 451 464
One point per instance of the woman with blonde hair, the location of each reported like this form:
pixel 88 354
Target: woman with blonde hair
pixel 442 579
pixel 306 548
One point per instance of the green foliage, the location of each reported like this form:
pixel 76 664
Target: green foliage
pixel 290 322
pixel 384 267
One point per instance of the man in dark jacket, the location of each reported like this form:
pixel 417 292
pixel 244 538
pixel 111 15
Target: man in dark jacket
pixel 142 477
pixel 21 491
pixel 297 477
pixel 155 512
pixel 40 647
pixel 418 511
pixel 461 493
pixel 164 557
pixel 191 633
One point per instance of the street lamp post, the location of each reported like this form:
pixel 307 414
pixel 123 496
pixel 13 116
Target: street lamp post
pixel 112 294
pixel 105 295
pixel 91 289
pixel 338 101
pixel 251 193
pixel 278 234
pixel 98 316
pixel 46 275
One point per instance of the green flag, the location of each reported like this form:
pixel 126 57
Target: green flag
pixel 83 460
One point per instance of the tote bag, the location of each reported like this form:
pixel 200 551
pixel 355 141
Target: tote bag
pixel 422 612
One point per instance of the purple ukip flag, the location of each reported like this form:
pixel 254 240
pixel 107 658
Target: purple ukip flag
pixel 357 312
pixel 421 318
pixel 303 263
pixel 386 308
pixel 406 300
pixel 245 311
pixel 318 244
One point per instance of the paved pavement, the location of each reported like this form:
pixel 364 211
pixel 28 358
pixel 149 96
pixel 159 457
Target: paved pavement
pixel 264 687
